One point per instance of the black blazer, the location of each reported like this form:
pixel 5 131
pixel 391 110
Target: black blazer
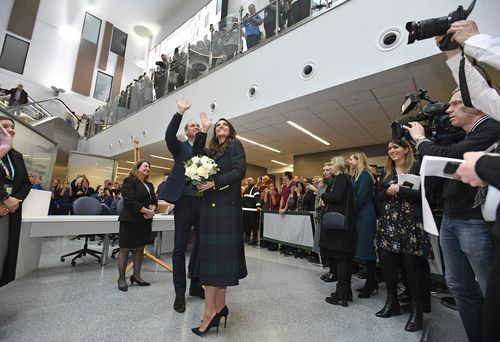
pixel 411 195
pixel 21 187
pixel 23 99
pixel 135 197
pixel 339 196
pixel 173 188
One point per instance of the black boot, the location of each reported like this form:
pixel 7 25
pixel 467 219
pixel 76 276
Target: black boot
pixel 416 320
pixel 370 286
pixel 340 297
pixel 391 307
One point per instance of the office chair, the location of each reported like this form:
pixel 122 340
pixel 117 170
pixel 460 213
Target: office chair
pixel 85 206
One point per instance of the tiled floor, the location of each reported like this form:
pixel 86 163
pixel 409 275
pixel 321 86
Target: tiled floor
pixel 282 299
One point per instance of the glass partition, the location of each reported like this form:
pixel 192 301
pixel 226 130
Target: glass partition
pixel 96 169
pixel 39 152
pixel 200 46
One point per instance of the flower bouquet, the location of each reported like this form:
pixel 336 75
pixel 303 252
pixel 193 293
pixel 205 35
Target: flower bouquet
pixel 200 169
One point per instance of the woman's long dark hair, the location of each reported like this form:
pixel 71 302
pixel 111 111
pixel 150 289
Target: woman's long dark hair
pixel 214 148
pixel 390 166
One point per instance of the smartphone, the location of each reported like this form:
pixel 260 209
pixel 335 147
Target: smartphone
pixel 450 168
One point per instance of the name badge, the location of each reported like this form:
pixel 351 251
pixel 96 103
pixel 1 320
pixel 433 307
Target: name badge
pixel 8 189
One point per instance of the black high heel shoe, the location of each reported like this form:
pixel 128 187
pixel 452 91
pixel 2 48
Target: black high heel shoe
pixel 416 319
pixel 213 323
pixel 224 313
pixel 140 283
pixel 123 288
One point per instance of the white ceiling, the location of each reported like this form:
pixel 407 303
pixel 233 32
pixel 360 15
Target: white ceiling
pixel 358 113
pixel 154 14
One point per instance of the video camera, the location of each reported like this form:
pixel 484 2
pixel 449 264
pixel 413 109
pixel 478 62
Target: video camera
pixel 438 128
pixel 438 26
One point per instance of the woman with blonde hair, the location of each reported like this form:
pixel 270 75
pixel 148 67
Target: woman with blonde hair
pixel 339 244
pixel 366 220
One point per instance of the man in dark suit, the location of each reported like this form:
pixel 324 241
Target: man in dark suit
pixel 18 96
pixel 187 205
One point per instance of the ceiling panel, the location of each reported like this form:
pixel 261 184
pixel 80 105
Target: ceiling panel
pixel 367 112
pixel 357 98
pixel 401 87
pixel 392 105
pixel 338 118
pixel 297 114
pixel 312 123
pixel 324 107
pixel 379 129
pixel 255 125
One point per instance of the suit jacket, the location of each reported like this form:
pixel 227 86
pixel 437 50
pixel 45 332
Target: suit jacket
pixel 135 197
pixel 21 187
pixel 173 188
pixel 23 99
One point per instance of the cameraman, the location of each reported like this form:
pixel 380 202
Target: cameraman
pixel 464 237
pixel 484 48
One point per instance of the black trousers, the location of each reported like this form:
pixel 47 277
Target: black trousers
pixel 491 314
pixel 250 223
pixel 415 273
pixel 186 215
pixel 252 40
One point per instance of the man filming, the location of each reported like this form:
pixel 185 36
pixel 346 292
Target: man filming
pixel 464 238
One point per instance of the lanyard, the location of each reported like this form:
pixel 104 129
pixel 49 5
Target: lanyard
pixel 9 169
pixel 149 191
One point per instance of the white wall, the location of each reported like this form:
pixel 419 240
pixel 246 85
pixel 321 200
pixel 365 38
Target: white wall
pixel 52 59
pixel 341 43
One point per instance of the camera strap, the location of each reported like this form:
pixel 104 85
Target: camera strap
pixel 464 89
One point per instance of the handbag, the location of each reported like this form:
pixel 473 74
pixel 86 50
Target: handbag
pixel 333 220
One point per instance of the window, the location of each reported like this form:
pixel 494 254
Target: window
pixel 118 42
pixel 14 54
pixel 91 28
pixel 103 84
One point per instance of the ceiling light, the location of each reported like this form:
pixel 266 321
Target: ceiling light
pixel 160 167
pixel 291 123
pixel 278 162
pixel 165 158
pixel 256 143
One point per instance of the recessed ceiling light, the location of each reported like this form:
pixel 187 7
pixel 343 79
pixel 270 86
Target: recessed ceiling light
pixel 278 162
pixel 165 158
pixel 291 123
pixel 256 143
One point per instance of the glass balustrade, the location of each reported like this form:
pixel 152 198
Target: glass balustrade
pixel 251 25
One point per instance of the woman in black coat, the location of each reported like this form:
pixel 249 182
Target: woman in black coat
pixel 400 235
pixel 136 218
pixel 14 188
pixel 340 245
pixel 221 253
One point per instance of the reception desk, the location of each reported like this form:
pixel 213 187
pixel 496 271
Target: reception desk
pixel 34 229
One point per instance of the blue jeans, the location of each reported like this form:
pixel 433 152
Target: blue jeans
pixel 468 254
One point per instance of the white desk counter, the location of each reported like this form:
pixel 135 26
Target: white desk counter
pixel 34 229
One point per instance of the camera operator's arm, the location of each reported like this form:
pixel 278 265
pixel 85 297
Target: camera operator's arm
pixel 475 142
pixel 483 97
pixel 482 47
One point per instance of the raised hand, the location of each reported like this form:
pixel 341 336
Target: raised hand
pixel 206 122
pixel 5 141
pixel 182 106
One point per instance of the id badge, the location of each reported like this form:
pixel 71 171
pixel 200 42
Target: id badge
pixel 8 189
